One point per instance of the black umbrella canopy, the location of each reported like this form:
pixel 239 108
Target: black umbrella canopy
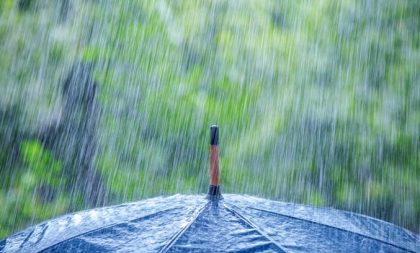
pixel 192 223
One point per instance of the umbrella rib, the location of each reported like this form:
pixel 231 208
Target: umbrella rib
pixel 175 238
pixel 342 229
pixel 109 226
pixel 250 223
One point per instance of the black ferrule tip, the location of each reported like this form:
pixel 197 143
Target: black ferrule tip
pixel 214 135
pixel 214 193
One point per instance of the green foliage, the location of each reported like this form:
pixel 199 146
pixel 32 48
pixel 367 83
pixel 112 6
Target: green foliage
pixel 33 195
pixel 41 163
pixel 6 5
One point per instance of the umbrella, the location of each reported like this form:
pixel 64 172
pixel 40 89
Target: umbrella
pixel 195 223
pixel 192 223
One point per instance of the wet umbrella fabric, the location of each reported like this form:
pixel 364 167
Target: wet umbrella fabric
pixel 237 223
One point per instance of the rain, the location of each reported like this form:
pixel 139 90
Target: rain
pixel 105 102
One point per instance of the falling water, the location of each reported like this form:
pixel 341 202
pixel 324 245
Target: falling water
pixel 103 102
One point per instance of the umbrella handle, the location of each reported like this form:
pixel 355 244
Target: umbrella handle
pixel 214 155
pixel 214 189
pixel 214 165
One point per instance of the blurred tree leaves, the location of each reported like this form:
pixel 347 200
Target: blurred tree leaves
pixel 41 162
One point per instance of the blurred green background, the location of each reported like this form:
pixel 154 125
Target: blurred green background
pixel 318 102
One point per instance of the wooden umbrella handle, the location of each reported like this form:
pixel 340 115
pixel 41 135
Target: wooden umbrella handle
pixel 214 193
pixel 214 155
pixel 214 165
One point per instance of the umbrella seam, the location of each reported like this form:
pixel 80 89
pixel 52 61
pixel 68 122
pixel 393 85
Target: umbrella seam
pixel 175 238
pixel 338 228
pixel 126 242
pixel 250 223
pixel 109 226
